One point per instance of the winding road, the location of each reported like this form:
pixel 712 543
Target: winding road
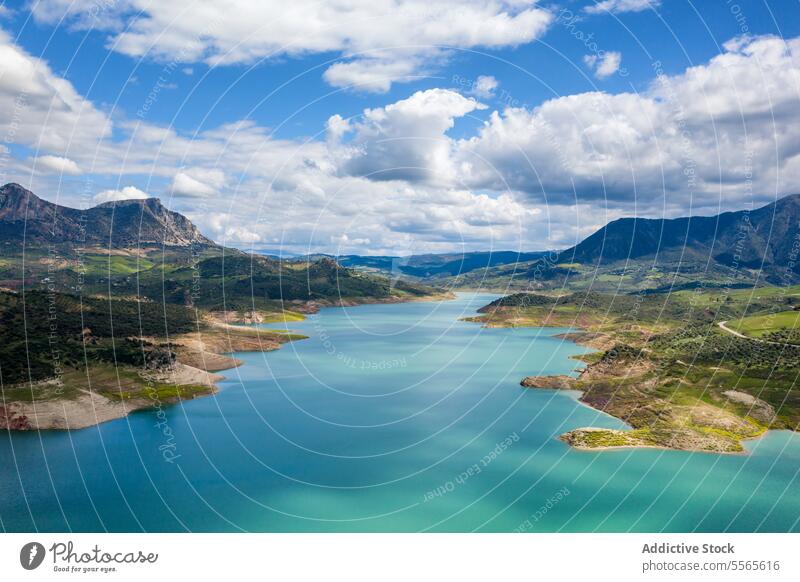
pixel 724 327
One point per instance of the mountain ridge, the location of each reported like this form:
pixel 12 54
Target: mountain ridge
pixel 729 249
pixel 129 223
pixel 743 238
pixel 751 245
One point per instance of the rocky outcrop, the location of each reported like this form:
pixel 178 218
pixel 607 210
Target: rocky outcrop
pixel 24 217
pixel 552 382
pixel 11 419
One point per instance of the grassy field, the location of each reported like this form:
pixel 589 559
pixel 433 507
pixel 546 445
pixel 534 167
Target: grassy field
pixel 282 316
pixel 110 380
pixel 761 325
pixel 107 264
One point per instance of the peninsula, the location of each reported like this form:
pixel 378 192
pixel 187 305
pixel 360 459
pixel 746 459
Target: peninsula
pixel 665 367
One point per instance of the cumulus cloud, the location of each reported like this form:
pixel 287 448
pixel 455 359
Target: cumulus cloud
pixel 336 127
pixel 127 193
pixel 594 143
pixel 605 64
pixel 372 37
pixel 720 134
pixel 57 165
pixel 722 129
pixel 484 87
pixel 407 139
pixel 43 111
pixel 617 6
pixel 240 234
pixel 198 182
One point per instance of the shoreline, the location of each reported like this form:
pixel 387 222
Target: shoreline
pixel 627 387
pixel 199 355
pixel 581 438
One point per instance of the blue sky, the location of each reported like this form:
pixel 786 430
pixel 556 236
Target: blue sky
pixel 461 125
pixel 676 35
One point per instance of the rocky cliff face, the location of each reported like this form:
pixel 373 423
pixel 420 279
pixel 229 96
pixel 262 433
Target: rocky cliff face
pixel 24 217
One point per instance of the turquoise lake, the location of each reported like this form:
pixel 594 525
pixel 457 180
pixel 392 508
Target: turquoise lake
pixel 388 418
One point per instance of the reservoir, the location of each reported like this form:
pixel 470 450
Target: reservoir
pixel 390 417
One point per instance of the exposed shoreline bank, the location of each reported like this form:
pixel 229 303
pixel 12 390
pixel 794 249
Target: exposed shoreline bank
pixel 80 400
pixel 632 386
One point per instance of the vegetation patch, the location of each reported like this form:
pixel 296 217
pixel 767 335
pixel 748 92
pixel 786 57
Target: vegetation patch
pixel 761 325
pixel 666 368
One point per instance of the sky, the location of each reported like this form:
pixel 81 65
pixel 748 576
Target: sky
pixel 403 126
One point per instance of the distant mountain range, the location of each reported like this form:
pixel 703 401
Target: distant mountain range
pixel 124 224
pixel 749 239
pixel 742 247
pixel 430 266
pixel 730 249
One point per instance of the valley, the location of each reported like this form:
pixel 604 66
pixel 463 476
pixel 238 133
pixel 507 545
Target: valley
pixel 126 306
pixel 697 346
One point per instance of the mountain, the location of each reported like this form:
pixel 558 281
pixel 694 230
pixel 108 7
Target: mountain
pixel 24 217
pixel 431 266
pixel 138 249
pixel 731 249
pixel 744 238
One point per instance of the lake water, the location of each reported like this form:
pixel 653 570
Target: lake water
pixel 389 418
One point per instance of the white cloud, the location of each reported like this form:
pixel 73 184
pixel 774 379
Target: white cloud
pixel 44 111
pixel 239 234
pixel 57 165
pixel 127 193
pixel 344 241
pixel 407 139
pixel 617 6
pixel 716 134
pixel 484 87
pixel 198 183
pixel 371 36
pixel 371 75
pixel 605 64
pixel 336 127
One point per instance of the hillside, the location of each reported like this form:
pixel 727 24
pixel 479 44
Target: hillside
pixel 138 249
pixel 242 282
pixel 431 266
pixel 730 249
pixel 745 238
pixel 666 365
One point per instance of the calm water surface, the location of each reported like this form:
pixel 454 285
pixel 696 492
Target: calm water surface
pixel 389 418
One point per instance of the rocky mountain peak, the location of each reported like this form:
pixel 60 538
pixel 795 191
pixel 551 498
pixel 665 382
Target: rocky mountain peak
pixel 117 224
